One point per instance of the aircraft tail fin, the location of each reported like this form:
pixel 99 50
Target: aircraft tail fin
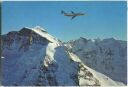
pixel 72 12
pixel 62 12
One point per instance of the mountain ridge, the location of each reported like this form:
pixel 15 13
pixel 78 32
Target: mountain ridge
pixel 38 58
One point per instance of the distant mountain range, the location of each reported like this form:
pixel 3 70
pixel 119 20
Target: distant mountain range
pixel 32 57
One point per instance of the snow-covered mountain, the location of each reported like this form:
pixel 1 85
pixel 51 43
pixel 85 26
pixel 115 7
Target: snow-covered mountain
pixel 108 56
pixel 33 57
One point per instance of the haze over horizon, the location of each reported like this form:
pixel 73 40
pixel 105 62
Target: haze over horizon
pixel 102 19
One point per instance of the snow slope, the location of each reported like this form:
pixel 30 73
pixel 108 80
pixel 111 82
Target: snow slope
pixel 103 80
pixel 32 57
pixel 108 56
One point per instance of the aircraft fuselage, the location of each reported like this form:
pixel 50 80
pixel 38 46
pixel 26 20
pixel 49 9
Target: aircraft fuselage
pixel 73 14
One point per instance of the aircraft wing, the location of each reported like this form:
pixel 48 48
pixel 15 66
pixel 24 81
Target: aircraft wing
pixel 73 17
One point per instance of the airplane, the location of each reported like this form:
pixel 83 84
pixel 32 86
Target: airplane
pixel 72 14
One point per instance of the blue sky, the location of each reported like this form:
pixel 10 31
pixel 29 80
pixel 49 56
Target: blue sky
pixel 102 19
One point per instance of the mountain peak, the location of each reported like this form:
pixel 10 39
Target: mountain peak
pixel 27 36
pixel 40 31
pixel 39 28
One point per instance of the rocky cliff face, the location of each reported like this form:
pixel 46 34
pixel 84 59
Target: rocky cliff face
pixel 33 57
